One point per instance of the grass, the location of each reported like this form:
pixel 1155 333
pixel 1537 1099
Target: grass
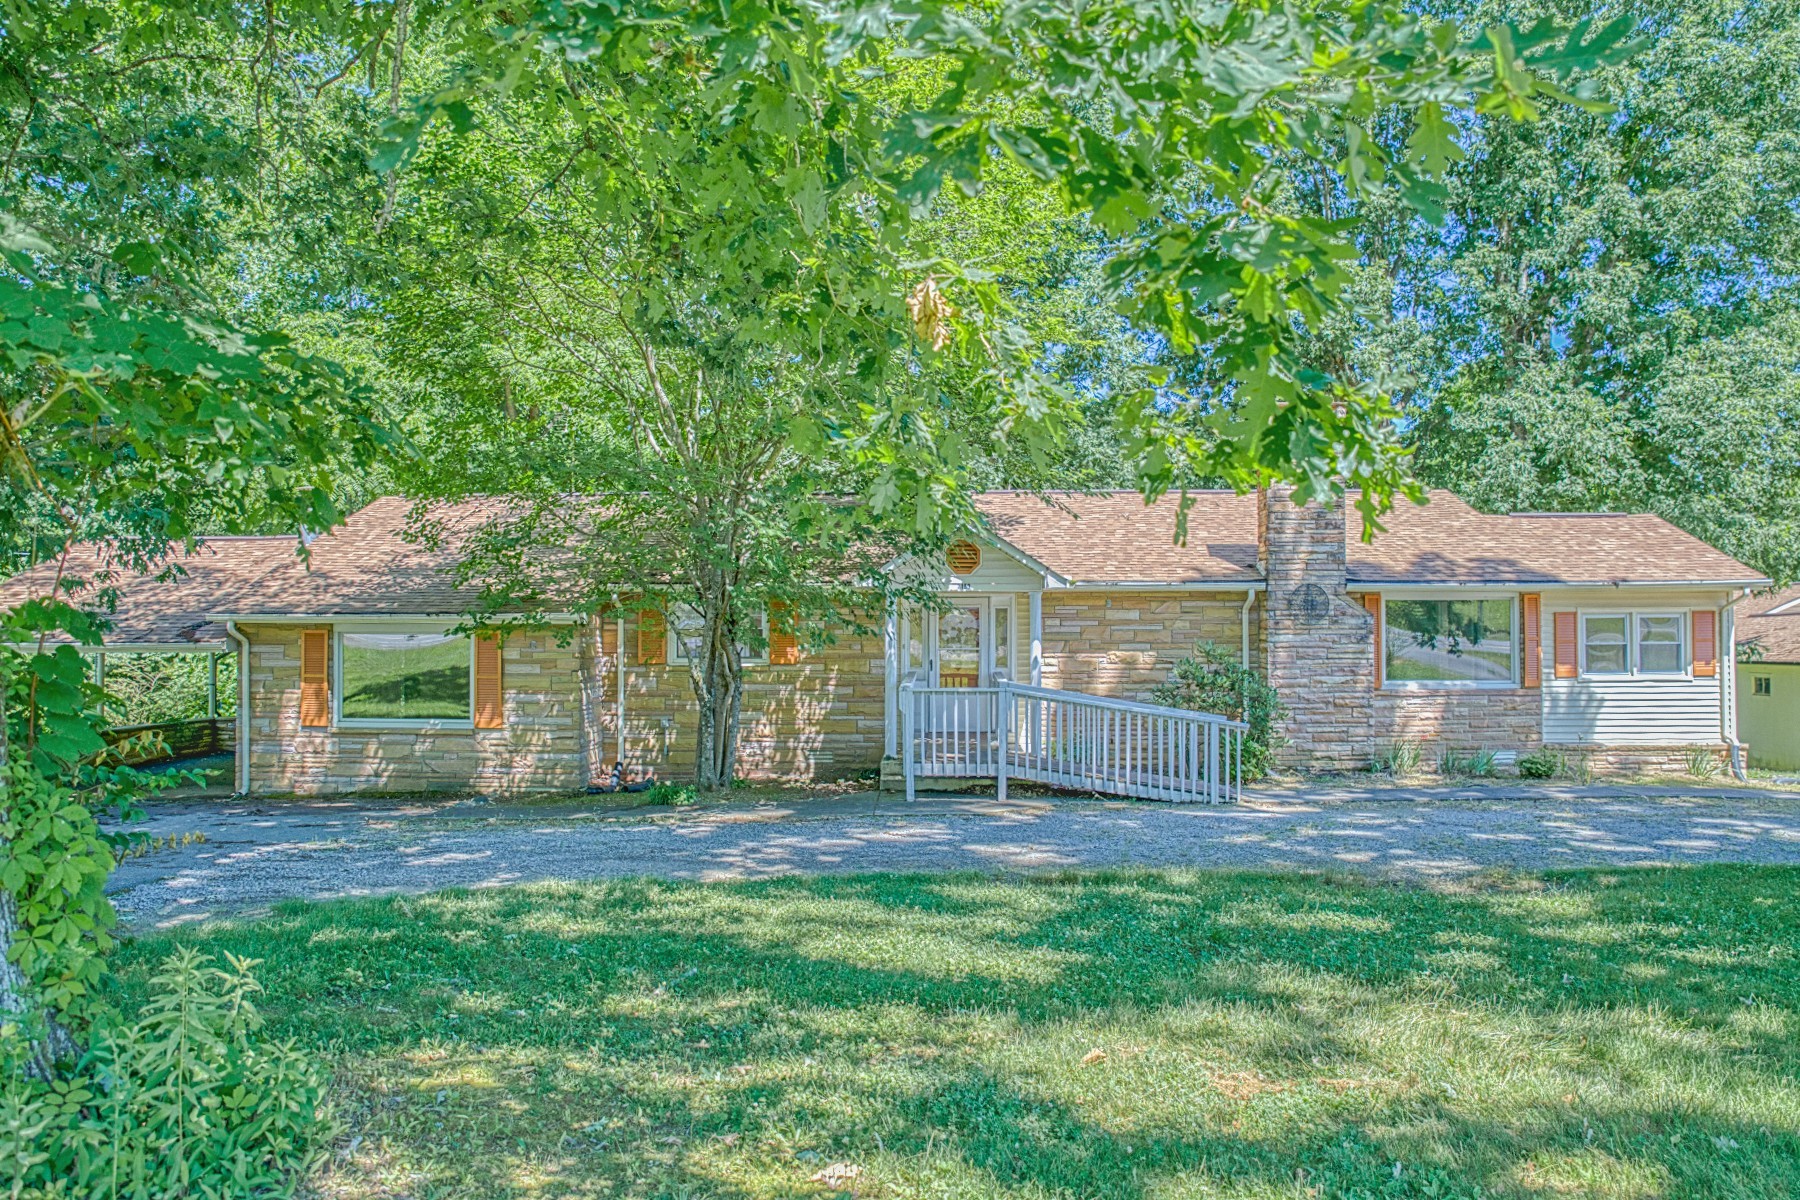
pixel 1134 1035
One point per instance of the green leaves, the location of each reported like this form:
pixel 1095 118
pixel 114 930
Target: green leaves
pixel 1159 126
pixel 1433 144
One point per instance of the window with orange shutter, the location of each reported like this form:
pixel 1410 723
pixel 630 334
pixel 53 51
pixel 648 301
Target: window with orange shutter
pixel 1531 662
pixel 1565 652
pixel 652 638
pixel 490 696
pixel 1706 643
pixel 315 678
pixel 784 642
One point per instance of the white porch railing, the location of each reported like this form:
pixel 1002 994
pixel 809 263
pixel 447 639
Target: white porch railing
pixel 1069 739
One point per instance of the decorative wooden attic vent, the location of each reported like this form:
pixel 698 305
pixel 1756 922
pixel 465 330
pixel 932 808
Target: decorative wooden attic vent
pixel 964 557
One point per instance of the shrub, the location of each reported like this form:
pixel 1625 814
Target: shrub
pixel 188 1101
pixel 670 793
pixel 1398 759
pixel 1541 764
pixel 1214 681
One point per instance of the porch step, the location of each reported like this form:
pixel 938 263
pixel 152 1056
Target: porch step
pixel 893 781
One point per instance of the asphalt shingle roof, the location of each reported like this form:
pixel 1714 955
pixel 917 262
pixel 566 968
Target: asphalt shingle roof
pixel 1114 538
pixel 168 606
pixel 374 565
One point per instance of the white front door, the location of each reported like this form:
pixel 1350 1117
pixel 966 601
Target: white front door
pixel 971 640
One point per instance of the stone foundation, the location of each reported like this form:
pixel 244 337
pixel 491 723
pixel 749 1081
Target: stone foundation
pixel 1643 760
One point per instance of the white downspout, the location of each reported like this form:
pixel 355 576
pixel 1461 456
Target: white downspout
pixel 1244 626
pixel 243 707
pixel 891 634
pixel 1728 725
pixel 1037 638
pixel 619 671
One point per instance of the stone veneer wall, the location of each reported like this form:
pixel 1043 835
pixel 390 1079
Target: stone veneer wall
pixel 1320 646
pixel 1121 644
pixel 1484 719
pixel 541 747
pixel 822 718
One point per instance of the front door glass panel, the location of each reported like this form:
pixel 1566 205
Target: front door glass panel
pixel 959 646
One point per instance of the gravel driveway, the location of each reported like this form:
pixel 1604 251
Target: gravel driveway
pixel 257 854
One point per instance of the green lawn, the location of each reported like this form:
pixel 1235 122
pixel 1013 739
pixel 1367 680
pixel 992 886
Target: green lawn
pixel 1135 1035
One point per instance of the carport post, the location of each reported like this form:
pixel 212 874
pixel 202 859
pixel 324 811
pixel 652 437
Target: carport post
pixel 212 686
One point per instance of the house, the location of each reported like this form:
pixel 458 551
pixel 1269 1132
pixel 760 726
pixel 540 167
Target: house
pixel 1768 689
pixel 1598 634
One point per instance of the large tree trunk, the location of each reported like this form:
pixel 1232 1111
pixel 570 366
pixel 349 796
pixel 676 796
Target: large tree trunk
pixel 717 675
pixel 48 1041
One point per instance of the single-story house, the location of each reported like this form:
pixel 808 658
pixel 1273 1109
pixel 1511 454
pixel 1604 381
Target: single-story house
pixel 1768 642
pixel 1604 635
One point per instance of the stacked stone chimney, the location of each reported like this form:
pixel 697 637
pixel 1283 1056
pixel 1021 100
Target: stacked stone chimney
pixel 1319 644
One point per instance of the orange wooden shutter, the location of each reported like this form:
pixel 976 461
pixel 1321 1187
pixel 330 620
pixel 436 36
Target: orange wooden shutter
pixel 490 708
pixel 315 677
pixel 652 638
pixel 1372 602
pixel 784 643
pixel 1706 643
pixel 1531 665
pixel 1568 661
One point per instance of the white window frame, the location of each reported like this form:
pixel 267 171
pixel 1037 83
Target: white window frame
pixel 1684 625
pixel 1630 643
pixel 337 682
pixel 1634 658
pixel 1452 685
pixel 678 658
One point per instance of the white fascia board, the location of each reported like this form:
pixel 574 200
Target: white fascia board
pixel 389 618
pixel 1544 585
pixel 1213 585
pixel 128 647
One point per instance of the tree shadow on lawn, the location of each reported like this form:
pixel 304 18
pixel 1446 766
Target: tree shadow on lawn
pixel 1607 1033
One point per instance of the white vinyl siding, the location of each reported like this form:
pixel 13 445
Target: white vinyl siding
pixel 1630 710
pixel 1623 710
pixel 998 572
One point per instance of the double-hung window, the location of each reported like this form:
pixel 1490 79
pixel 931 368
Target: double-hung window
pixel 685 627
pixel 1634 644
pixel 1429 643
pixel 403 679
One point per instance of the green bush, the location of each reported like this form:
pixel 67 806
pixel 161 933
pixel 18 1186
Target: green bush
pixel 186 1101
pixel 1214 681
pixel 670 793
pixel 1540 764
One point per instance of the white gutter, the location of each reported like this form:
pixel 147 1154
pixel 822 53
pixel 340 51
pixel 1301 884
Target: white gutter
pixel 1198 585
pixel 1727 641
pixel 619 669
pixel 124 647
pixel 1386 585
pixel 391 618
pixel 242 731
